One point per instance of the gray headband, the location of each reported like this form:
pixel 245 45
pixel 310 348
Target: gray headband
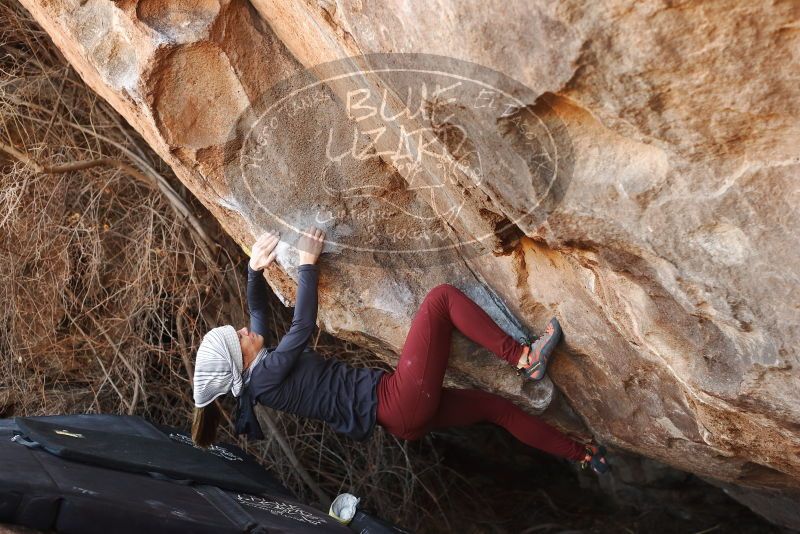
pixel 218 366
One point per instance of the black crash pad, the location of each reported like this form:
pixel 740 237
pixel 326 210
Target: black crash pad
pixel 100 483
pixel 136 454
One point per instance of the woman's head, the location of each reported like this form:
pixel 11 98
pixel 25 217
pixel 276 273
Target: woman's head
pixel 222 355
pixel 218 366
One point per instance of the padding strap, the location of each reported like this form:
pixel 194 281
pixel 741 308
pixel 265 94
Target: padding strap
pixel 18 438
pixel 162 476
pixel 229 508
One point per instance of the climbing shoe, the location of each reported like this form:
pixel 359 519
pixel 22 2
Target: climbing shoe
pixel 540 351
pixel 595 459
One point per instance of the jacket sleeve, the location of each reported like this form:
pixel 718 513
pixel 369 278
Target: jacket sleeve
pixel 257 302
pixel 278 364
pixel 246 421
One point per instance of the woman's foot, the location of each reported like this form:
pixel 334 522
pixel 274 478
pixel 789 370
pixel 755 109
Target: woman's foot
pixel 595 458
pixel 533 364
pixel 526 350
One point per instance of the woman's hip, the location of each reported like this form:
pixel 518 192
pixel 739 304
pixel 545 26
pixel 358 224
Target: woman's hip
pixel 404 411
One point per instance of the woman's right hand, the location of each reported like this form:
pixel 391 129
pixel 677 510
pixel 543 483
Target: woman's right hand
pixel 264 250
pixel 310 245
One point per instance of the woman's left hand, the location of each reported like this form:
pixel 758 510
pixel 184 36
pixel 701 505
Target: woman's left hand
pixel 264 250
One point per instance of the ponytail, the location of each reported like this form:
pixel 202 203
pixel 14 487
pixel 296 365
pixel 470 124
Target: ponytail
pixel 205 424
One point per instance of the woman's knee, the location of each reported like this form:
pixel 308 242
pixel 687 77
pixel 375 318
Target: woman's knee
pixel 441 291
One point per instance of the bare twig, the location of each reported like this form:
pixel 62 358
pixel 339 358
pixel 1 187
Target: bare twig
pixel 264 418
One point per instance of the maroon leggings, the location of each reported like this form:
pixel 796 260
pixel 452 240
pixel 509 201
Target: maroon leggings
pixel 412 401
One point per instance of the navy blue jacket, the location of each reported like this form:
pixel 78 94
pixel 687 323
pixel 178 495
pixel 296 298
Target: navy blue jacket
pixel 295 379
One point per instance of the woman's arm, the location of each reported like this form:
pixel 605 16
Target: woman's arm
pixel 257 301
pixel 292 344
pixel 283 358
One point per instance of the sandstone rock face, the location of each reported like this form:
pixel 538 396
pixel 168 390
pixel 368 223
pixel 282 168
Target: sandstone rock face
pixel 667 245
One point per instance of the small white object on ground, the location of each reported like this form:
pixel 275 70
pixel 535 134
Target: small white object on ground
pixel 343 507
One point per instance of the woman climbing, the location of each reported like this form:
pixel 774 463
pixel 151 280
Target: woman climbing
pixel 407 402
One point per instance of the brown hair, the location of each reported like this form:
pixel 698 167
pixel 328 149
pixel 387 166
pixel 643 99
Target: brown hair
pixel 205 424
